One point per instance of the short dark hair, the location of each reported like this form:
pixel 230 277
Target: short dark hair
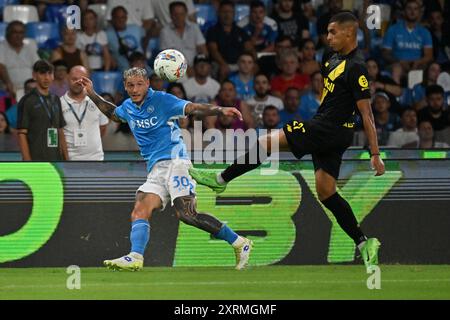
pixel 257 4
pixel 262 74
pixel 226 3
pixel 42 66
pixel 136 56
pixel 60 63
pixel 408 109
pixel 343 17
pixel 118 8
pixel 434 89
pixel 268 108
pixel 27 82
pixel 174 4
pixel 305 41
pixel 176 85
pixel 284 37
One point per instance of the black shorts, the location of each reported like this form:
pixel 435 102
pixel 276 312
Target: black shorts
pixel 324 141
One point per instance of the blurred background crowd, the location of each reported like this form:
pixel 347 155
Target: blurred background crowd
pixel 262 57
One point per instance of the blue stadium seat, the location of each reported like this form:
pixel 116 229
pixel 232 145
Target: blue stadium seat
pixel 3 30
pixel 46 34
pixel 110 81
pixel 241 11
pixel 206 16
pixel 56 13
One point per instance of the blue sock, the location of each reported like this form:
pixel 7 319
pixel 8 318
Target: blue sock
pixel 140 233
pixel 226 234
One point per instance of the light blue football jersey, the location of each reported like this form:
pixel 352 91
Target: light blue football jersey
pixel 155 127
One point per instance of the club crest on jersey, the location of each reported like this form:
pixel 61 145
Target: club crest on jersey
pixel 150 109
pixel 363 83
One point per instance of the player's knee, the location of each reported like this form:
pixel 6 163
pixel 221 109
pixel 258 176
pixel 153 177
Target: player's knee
pixel 324 192
pixel 185 208
pixel 141 212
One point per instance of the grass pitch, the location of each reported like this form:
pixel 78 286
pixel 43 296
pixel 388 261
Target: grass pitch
pixel 271 282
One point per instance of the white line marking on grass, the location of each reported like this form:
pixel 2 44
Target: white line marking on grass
pixel 219 283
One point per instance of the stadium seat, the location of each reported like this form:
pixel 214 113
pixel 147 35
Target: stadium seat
pixel 101 10
pixel 241 11
pixel 206 16
pixel 56 13
pixel 414 77
pixel 152 49
pixel 4 3
pixel 24 13
pixel 109 82
pixel 3 30
pixel 46 34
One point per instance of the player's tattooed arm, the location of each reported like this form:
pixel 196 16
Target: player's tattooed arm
pixel 107 108
pixel 205 109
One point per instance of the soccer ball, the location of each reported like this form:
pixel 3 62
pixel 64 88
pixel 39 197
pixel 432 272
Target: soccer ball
pixel 170 65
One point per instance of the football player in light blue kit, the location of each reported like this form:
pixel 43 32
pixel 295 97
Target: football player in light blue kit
pixel 152 116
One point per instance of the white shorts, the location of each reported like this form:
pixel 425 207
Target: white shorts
pixel 169 179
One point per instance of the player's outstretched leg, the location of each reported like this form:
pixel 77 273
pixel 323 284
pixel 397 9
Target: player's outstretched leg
pixel 187 212
pixel 342 211
pixel 139 235
pixel 251 160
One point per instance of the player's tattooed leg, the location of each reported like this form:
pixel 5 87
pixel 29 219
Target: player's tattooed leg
pixel 187 212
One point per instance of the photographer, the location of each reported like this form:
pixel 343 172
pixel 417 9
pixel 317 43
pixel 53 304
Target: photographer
pixel 123 39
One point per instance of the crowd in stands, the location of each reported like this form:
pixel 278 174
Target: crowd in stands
pixel 262 57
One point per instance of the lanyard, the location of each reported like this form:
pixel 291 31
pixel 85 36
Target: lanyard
pixel 47 109
pixel 80 120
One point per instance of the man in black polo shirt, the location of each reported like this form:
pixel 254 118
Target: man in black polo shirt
pixel 40 121
pixel 226 41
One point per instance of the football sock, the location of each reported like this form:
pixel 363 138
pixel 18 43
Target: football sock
pixel 345 217
pixel 226 234
pixel 140 234
pixel 249 161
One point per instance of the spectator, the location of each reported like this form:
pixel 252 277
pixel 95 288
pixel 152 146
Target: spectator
pixel 162 10
pixel 308 63
pixel 177 89
pixel 407 135
pixel 183 35
pixel 385 121
pixel 123 39
pixel 261 29
pixel 407 41
pixel 291 109
pixel 40 120
pixel 290 23
pixel 141 14
pixel 227 98
pixel 431 73
pixel 60 85
pixel 268 64
pixel 440 37
pixel 94 42
pixel 226 41
pixel 334 6
pixel 137 60
pixel 16 57
pixel 426 137
pixel 156 83
pixel 289 77
pixel 262 99
pixel 4 124
pixel 310 101
pixel 379 82
pixel 11 112
pixel 243 79
pixel 85 124
pixel 435 112
pixel 201 88
pixel 270 118
pixel 68 51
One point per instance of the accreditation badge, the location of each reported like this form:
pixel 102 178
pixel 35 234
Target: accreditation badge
pixel 80 137
pixel 52 137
